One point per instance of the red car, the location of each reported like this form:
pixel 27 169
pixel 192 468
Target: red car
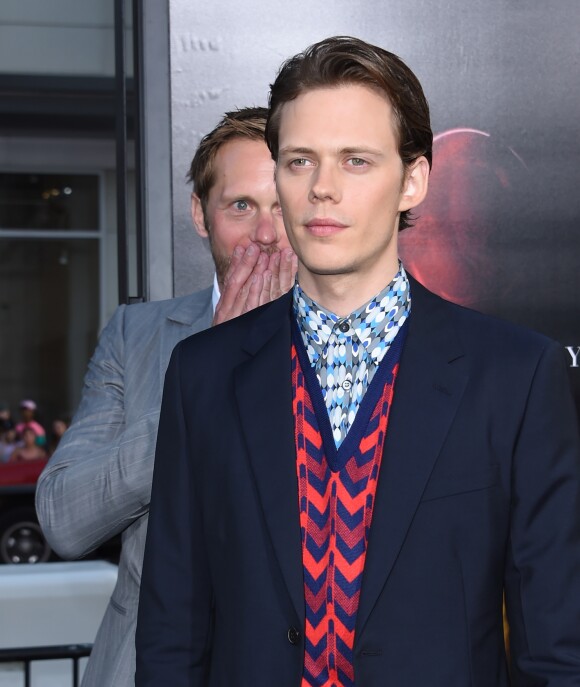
pixel 21 539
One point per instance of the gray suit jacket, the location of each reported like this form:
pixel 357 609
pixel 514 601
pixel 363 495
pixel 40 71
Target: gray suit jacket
pixel 98 482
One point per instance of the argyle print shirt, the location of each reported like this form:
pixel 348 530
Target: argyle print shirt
pixel 346 351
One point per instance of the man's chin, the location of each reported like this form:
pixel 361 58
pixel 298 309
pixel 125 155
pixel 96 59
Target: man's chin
pixel 331 270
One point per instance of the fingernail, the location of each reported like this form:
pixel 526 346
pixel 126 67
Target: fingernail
pixel 251 250
pixel 289 256
pixel 254 279
pixel 238 251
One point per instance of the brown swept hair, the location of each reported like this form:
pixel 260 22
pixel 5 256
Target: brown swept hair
pixel 246 123
pixel 343 60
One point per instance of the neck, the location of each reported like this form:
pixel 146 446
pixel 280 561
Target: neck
pixel 342 294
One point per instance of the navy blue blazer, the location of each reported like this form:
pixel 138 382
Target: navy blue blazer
pixel 479 492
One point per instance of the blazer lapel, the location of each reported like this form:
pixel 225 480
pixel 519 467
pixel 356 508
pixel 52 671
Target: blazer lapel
pixel 428 391
pixel 185 316
pixel 263 389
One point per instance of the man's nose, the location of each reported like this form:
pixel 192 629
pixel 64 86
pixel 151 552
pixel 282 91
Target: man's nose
pixel 266 232
pixel 325 184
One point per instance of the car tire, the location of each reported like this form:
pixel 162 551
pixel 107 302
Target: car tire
pixel 21 539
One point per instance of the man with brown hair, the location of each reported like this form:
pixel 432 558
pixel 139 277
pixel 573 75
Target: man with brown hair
pixel 97 483
pixel 360 469
pixel 232 205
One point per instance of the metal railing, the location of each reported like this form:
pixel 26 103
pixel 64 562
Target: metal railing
pixel 27 655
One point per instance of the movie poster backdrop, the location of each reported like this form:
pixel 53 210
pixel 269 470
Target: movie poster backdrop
pixel 500 229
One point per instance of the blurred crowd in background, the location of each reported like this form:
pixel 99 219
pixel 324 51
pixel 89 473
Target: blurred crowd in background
pixel 24 437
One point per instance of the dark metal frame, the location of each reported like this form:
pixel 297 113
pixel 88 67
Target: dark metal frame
pixel 122 146
pixel 95 107
pixel 49 105
pixel 27 655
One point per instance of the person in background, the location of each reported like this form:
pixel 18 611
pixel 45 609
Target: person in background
pixel 5 416
pixel 27 414
pixel 29 450
pixel 58 428
pixel 7 432
pixel 97 483
pixel 359 470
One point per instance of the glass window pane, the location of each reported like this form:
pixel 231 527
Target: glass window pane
pixel 49 201
pixel 49 307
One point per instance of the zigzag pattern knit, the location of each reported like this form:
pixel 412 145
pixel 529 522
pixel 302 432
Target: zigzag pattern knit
pixel 336 492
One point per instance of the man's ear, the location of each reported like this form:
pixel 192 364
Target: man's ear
pixel 415 184
pixel 198 217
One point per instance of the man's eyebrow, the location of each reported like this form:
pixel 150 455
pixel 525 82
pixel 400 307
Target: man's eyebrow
pixel 295 150
pixel 349 150
pixel 234 197
pixel 361 150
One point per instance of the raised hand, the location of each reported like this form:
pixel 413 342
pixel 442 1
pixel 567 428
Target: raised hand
pixel 254 278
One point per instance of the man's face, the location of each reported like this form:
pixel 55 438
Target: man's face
pixel 242 205
pixel 27 414
pixel 341 184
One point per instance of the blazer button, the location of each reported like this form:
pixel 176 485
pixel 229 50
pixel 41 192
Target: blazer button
pixel 293 636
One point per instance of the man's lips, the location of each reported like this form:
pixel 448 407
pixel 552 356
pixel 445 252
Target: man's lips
pixel 324 226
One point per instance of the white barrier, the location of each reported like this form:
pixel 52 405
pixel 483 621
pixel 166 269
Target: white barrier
pixel 51 604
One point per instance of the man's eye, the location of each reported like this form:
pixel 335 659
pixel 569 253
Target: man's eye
pixel 299 162
pixel 357 162
pixel 241 205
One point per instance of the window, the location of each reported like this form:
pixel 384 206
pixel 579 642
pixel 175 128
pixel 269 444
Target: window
pixel 50 264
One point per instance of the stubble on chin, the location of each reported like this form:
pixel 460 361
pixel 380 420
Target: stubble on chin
pixel 222 265
pixel 222 262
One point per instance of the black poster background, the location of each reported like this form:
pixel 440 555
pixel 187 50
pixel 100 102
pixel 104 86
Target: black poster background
pixel 499 230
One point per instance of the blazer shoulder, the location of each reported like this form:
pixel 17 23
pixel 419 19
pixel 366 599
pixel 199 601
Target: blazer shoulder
pixel 184 309
pixel 502 336
pixel 477 331
pixel 229 336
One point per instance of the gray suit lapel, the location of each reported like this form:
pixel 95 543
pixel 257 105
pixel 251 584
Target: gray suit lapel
pixel 185 316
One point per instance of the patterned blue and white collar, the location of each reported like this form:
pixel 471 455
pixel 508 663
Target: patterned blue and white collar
pixel 372 326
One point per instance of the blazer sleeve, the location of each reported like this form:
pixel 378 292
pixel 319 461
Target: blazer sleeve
pixel 542 577
pixel 99 479
pixel 174 627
